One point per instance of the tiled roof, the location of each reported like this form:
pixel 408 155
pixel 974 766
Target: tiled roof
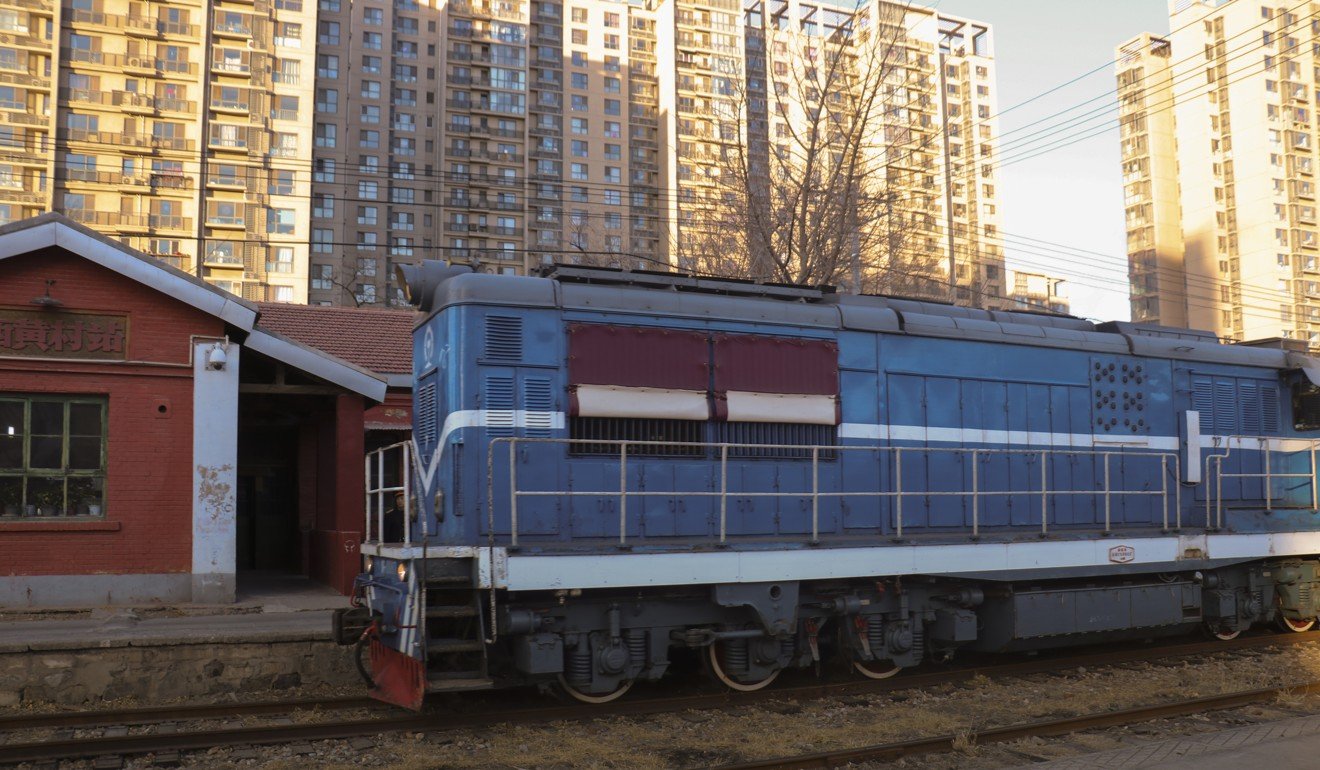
pixel 374 339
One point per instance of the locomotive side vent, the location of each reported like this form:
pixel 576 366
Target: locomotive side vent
pixel 426 416
pixel 498 395
pixel 1236 406
pixel 538 406
pixel 608 429
pixel 776 433
pixel 504 339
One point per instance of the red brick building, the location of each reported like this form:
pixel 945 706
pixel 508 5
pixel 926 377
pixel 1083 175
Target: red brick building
pixel 156 438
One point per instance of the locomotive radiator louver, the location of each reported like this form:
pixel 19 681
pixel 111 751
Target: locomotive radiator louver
pixel 613 464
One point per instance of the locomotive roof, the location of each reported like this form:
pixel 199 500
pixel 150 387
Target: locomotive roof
pixel 686 296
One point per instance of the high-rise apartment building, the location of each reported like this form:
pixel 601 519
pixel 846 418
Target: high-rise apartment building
pixel 933 136
pixel 510 133
pixel 1218 125
pixel 377 174
pixel 296 149
pixel 181 127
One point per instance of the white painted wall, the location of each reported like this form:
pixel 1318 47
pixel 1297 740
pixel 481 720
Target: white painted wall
pixel 215 474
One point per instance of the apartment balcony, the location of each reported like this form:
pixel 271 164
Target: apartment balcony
pixel 23 119
pixel 145 183
pixel 94 58
pixel 536 130
pixel 233 67
pixel 105 218
pixel 13 191
pixel 25 153
pixel 472 56
pixel 501 157
pixel 541 38
pixel 503 206
pixel 457 152
pixel 23 39
pixel 221 260
pixel 219 222
pixel 231 106
pixel 232 30
pixel 21 77
pixel 148 26
pixel 229 144
pixel 43 7
pixel 168 222
pixel 541 152
pixel 217 182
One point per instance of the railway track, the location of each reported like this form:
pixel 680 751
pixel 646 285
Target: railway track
pixel 442 720
pixel 1044 729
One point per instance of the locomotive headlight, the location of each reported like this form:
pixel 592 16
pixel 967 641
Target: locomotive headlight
pixel 370 564
pixel 402 572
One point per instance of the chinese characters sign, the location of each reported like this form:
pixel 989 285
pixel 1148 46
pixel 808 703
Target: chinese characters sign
pixel 47 334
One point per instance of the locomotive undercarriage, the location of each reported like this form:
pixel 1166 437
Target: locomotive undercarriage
pixel 595 644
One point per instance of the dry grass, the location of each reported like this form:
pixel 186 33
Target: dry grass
pixel 746 732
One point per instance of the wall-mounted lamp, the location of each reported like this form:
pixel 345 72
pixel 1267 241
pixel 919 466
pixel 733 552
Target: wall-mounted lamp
pixel 216 358
pixel 46 300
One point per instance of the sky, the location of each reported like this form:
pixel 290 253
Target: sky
pixel 1072 195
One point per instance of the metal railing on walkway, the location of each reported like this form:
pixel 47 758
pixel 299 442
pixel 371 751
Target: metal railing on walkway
pixel 890 466
pixel 1273 449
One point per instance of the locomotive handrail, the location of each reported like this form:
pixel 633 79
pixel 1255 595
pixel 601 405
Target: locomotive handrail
pixel 897 493
pixel 1287 445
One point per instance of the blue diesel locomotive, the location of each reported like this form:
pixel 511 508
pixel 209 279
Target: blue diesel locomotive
pixel 608 465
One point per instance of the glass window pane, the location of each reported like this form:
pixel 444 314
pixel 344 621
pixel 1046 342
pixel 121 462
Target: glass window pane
pixel 11 451
pixel 11 495
pixel 85 496
pixel 85 453
pixel 47 418
pixel 45 452
pixel 84 419
pixel 46 495
pixel 11 418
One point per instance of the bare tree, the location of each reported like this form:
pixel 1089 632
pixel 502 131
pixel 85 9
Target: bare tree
pixel 822 171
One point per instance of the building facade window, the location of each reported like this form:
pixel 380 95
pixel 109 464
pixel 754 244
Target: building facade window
pixel 52 456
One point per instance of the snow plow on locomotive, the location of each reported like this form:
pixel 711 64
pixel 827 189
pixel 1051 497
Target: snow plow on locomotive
pixel 607 465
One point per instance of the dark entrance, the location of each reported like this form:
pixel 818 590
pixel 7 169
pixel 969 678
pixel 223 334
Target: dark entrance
pixel 269 537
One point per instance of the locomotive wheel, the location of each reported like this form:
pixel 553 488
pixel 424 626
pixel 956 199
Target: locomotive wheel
pixel 1222 635
pixel 584 697
pixel 876 669
pixel 715 652
pixel 1296 626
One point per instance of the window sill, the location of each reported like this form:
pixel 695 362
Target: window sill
pixel 29 525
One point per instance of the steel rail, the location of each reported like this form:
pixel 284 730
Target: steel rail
pixel 182 713
pixel 1042 729
pixel 449 720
